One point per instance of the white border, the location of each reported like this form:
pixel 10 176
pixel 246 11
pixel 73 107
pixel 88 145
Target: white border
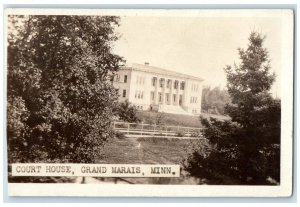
pixel 285 187
pixel 127 190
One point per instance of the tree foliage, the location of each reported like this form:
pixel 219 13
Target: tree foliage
pixel 127 112
pixel 246 148
pixel 214 100
pixel 60 97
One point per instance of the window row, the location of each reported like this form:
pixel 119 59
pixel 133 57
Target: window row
pixel 195 87
pixel 194 111
pixel 168 98
pixel 139 107
pixel 139 94
pixel 140 80
pixel 118 77
pixel 194 99
pixel 123 93
pixel 168 83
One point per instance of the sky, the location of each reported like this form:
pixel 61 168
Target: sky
pixel 199 46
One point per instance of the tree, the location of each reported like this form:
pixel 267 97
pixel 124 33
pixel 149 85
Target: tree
pixel 246 148
pixel 160 118
pixel 60 98
pixel 127 112
pixel 214 100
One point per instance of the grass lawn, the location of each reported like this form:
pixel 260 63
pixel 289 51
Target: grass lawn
pixel 126 151
pixel 151 151
pixel 175 119
pixel 154 150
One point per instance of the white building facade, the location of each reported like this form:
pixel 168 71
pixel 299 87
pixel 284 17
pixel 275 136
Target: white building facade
pixel 156 89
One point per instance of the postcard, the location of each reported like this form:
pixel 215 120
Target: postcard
pixel 154 102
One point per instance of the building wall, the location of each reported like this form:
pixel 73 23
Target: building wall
pixel 120 84
pixel 140 90
pixel 194 96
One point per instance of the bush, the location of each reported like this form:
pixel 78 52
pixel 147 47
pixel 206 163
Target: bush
pixel 120 135
pixel 180 134
pixel 127 112
pixel 196 134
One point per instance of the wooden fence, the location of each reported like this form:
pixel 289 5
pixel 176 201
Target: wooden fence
pixel 153 130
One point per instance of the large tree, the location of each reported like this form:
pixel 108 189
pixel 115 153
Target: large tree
pixel 245 149
pixel 60 97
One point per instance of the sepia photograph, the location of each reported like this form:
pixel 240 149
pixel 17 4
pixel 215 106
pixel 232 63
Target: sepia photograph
pixel 159 98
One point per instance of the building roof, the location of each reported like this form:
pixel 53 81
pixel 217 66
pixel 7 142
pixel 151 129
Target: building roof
pixel 161 71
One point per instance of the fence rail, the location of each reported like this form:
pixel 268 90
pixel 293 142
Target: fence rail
pixel 156 130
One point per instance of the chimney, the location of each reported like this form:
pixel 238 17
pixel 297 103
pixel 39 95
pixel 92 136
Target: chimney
pixel 146 63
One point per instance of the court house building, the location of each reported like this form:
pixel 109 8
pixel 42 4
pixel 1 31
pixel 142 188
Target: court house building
pixel 157 89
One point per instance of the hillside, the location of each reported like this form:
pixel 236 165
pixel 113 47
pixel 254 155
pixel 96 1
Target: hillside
pixel 174 119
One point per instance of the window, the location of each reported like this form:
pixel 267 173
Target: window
pixel 117 78
pixel 168 83
pixel 125 78
pixel 160 97
pixel 167 98
pixel 154 81
pixel 182 84
pixel 111 78
pixel 174 98
pixel 180 100
pixel 152 95
pixel 124 93
pixel 161 82
pixel 142 95
pixel 176 84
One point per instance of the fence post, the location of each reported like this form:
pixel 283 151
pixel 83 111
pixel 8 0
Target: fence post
pixel 166 131
pixel 114 124
pixel 154 129
pixel 128 126
pixel 188 132
pixel 142 129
